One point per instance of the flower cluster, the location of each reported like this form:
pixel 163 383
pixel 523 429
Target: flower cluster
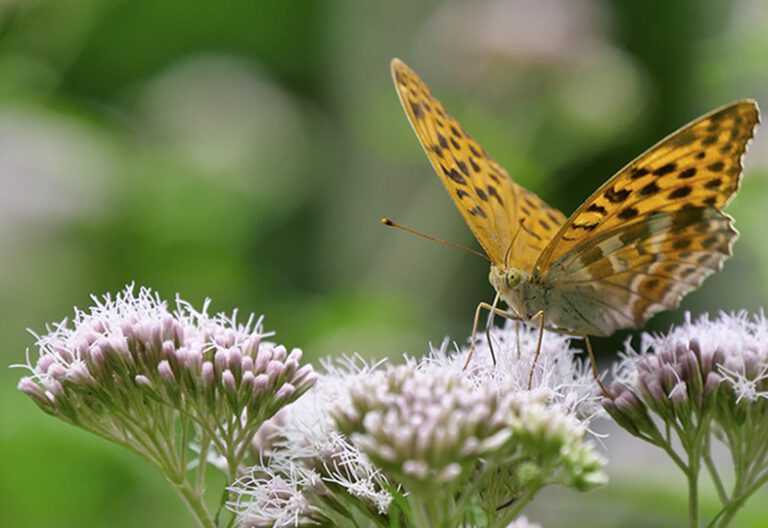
pixel 705 378
pixel 428 442
pixel 425 426
pixel 138 374
pixel 301 450
pixel 438 432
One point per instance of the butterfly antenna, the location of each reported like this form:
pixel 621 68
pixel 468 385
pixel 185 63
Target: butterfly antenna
pixel 512 243
pixel 390 223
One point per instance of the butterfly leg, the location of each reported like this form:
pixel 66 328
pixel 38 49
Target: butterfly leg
pixel 592 360
pixel 490 308
pixel 540 314
pixel 488 329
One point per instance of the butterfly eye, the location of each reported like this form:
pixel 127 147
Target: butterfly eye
pixel 513 278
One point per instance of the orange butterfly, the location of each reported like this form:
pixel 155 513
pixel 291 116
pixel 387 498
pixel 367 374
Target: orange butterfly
pixel 648 236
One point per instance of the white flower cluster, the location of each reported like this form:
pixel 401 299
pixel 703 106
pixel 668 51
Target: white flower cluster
pixel 129 360
pixel 694 367
pixel 375 436
pixel 425 425
pixel 560 375
pixel 302 441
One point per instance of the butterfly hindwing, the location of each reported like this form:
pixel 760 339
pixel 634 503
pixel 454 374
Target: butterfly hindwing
pixel 655 230
pixel 633 272
pixel 493 206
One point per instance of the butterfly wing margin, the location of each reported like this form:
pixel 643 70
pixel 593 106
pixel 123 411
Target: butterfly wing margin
pixel 493 206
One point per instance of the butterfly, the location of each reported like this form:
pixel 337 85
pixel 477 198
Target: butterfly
pixel 648 236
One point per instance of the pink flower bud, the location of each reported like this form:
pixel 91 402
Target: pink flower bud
pixel 57 372
pixel 168 327
pixel 228 381
pixel 206 373
pixel 220 360
pixel 275 369
pixel 64 354
pixel 164 369
pixel 295 355
pixel 711 383
pixel 247 381
pixel 285 392
pixel 31 389
pixel 235 358
pixel 246 364
pixel 263 358
pixel 44 363
pixel 79 374
pixel 260 384
pixel 280 353
pixel 169 350
pixel 97 356
pixel 305 376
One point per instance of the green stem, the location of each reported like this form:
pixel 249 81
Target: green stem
pixel 726 514
pixel 418 509
pixel 515 509
pixel 707 456
pixel 468 494
pixel 195 505
pixel 693 493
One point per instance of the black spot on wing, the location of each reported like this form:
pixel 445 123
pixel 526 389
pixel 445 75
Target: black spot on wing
pixel 650 189
pixel 680 192
pixel 614 196
pixel 714 183
pixel 586 227
pixel 416 110
pixel 594 208
pixel 493 192
pixel 477 211
pixel 628 213
pixel 665 169
pixel 716 166
pixel 681 243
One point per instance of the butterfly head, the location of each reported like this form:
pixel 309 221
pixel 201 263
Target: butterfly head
pixel 507 281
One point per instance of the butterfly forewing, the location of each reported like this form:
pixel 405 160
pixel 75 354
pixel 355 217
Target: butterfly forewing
pixel 493 206
pixel 655 230
pixel 699 165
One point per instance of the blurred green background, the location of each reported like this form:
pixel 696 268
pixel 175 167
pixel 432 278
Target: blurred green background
pixel 245 150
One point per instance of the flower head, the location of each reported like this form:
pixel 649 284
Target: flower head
pixel 702 379
pixel 424 426
pixel 695 368
pixel 425 423
pixel 558 374
pixel 129 361
pixel 379 435
pixel 269 497
pixel 304 434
